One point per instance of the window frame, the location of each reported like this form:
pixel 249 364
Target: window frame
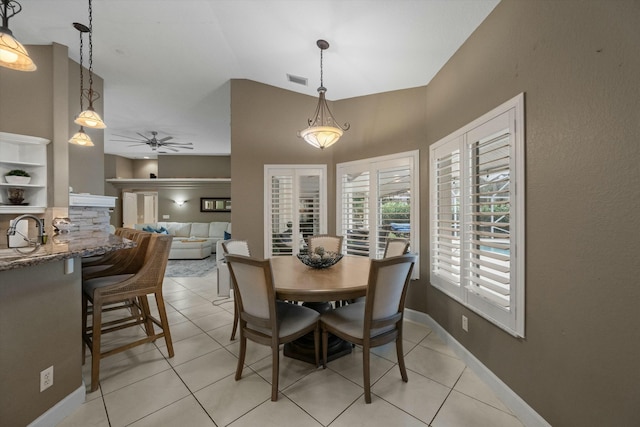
pixel 295 171
pixel 373 166
pixel 512 320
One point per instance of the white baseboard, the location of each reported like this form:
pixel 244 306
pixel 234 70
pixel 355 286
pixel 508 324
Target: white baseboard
pixel 62 409
pixel 519 407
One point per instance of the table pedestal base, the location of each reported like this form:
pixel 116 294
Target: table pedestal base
pixel 304 348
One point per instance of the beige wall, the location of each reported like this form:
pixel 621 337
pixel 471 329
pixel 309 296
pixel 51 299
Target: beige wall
pixel 264 122
pixel 578 64
pixel 42 305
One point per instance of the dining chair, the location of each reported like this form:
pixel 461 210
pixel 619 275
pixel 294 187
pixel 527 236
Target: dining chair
pixel 396 247
pixel 263 319
pixel 235 247
pixel 127 291
pixel 329 243
pixel 377 320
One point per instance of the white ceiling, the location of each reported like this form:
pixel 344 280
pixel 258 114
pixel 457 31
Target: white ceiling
pixel 167 64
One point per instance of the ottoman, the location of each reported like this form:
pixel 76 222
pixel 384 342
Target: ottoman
pixel 190 249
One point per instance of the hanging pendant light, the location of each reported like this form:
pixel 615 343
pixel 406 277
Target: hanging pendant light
pixel 89 117
pixel 12 54
pixel 323 130
pixel 80 137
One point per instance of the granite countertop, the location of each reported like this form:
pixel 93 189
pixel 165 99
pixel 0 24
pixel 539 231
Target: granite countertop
pixel 63 246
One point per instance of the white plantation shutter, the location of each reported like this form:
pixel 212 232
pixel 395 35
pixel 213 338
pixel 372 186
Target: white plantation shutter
pixel 378 199
pixel 295 207
pixel 446 217
pixel 355 212
pixel 488 238
pixel 477 216
pixel 394 205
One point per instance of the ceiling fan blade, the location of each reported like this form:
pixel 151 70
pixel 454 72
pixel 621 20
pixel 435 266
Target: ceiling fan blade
pixel 164 147
pixel 166 138
pixel 136 145
pixel 125 136
pixel 127 140
pixel 178 143
pixel 143 136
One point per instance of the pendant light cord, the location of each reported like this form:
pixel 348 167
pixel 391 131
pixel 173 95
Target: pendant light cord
pixel 81 73
pixel 90 54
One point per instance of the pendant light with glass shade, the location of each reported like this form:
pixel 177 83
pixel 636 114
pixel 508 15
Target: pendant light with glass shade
pixel 89 117
pixel 12 54
pixel 80 137
pixel 323 130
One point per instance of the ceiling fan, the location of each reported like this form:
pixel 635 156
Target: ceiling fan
pixel 155 143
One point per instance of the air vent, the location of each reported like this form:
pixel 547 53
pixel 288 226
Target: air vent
pixel 297 79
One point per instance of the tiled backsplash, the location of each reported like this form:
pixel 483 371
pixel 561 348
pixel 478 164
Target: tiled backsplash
pixel 89 218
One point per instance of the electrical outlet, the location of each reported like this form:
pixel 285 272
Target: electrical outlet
pixel 465 323
pixel 46 378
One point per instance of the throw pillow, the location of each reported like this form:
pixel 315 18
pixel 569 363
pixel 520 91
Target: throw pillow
pixel 227 236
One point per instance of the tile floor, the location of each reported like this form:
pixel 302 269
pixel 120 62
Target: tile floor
pixel 142 387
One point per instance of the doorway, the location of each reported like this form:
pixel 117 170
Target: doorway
pixel 139 208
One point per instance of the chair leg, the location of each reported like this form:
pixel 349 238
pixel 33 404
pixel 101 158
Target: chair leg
pixel 400 354
pixel 96 330
pixel 146 313
pixel 316 344
pixel 235 321
pixel 164 321
pixel 366 372
pixel 85 304
pixel 243 353
pixel 275 371
pixel 325 344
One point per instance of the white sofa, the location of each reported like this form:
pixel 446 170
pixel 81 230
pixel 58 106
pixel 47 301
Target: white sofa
pixel 212 232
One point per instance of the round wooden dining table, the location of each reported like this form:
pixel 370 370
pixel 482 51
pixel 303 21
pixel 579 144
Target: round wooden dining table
pixel 295 281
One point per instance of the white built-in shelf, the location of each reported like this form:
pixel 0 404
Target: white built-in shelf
pixel 28 153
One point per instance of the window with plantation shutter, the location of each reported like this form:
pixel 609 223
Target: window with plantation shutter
pixel 295 207
pixel 378 199
pixel 477 215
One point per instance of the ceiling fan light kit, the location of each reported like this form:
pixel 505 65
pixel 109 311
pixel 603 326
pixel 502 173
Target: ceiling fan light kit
pixel 323 130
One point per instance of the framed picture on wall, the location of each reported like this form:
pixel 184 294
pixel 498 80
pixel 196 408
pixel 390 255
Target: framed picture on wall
pixel 215 204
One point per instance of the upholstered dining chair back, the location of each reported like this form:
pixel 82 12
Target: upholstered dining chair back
pixel 388 282
pixel 263 319
pixel 396 247
pixel 329 243
pixel 236 247
pixel 255 293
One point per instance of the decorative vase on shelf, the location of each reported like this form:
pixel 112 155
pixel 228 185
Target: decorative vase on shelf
pixel 16 196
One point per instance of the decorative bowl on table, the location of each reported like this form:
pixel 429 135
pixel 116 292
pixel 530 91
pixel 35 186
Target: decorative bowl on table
pixel 320 258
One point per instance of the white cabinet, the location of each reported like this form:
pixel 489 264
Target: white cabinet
pixel 29 154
